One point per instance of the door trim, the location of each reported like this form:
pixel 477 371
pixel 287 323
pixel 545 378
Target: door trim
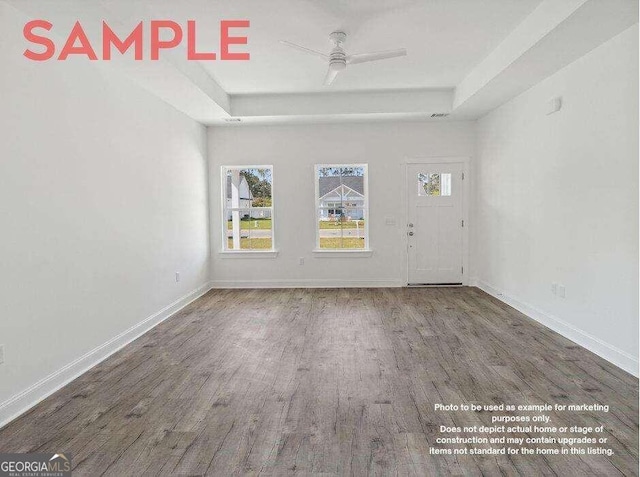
pixel 425 160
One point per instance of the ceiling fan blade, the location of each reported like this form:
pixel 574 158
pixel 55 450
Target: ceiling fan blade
pixel 331 75
pixel 305 50
pixel 379 55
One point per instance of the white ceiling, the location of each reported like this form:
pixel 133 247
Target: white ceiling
pixel 465 57
pixel 444 39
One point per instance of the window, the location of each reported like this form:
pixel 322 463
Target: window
pixel 434 184
pixel 247 207
pixel 342 206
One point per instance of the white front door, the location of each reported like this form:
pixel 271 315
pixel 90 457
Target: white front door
pixel 434 228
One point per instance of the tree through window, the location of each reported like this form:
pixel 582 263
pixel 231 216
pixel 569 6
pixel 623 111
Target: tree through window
pixel 248 207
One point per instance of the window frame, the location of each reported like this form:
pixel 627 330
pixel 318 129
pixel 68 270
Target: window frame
pixel 271 252
pixel 366 251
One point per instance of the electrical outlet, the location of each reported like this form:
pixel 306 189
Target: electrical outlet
pixel 177 277
pixel 554 288
pixel 1 354
pixel 301 261
pixel 561 291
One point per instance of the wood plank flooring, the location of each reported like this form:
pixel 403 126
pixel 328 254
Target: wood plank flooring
pixel 327 382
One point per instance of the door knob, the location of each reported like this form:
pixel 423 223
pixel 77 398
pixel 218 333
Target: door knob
pixel 411 234
pixel 410 225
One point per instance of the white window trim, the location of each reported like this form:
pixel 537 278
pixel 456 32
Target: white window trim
pixel 248 254
pixel 343 252
pixel 256 253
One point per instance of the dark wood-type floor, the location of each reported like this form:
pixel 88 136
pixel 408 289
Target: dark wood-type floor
pixel 327 382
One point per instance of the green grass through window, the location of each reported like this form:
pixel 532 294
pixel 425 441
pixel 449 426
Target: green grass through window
pixel 338 242
pixel 347 224
pixel 264 224
pixel 251 244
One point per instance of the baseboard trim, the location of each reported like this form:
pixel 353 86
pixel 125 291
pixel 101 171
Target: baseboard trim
pixel 307 283
pixel 605 350
pixel 25 400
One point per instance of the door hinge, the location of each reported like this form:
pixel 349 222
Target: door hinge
pixel 463 176
pixel 463 222
pixel 462 270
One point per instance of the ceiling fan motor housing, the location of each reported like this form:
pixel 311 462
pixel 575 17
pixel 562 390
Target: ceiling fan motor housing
pixel 338 59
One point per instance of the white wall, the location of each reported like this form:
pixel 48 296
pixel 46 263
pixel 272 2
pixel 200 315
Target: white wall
pixel 293 150
pixel 558 200
pixel 103 198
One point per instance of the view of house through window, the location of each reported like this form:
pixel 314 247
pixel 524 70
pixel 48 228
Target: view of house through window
pixel 342 206
pixel 248 207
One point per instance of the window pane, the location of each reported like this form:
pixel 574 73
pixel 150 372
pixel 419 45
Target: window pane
pixel 248 187
pixel 337 185
pixel 248 195
pixel 341 207
pixel 434 184
pixel 255 230
pixel 445 184
pixel 259 226
pixel 346 231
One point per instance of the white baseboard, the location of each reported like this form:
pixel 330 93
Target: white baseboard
pixel 307 283
pixel 23 401
pixel 609 352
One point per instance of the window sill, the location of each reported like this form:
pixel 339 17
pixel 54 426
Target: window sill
pixel 327 253
pixel 248 253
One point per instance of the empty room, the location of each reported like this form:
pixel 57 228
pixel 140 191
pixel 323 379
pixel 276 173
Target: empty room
pixel 300 237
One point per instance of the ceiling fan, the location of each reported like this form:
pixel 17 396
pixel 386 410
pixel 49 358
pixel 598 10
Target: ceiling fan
pixel 338 58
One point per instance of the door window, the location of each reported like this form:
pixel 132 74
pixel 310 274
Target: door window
pixel 434 184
